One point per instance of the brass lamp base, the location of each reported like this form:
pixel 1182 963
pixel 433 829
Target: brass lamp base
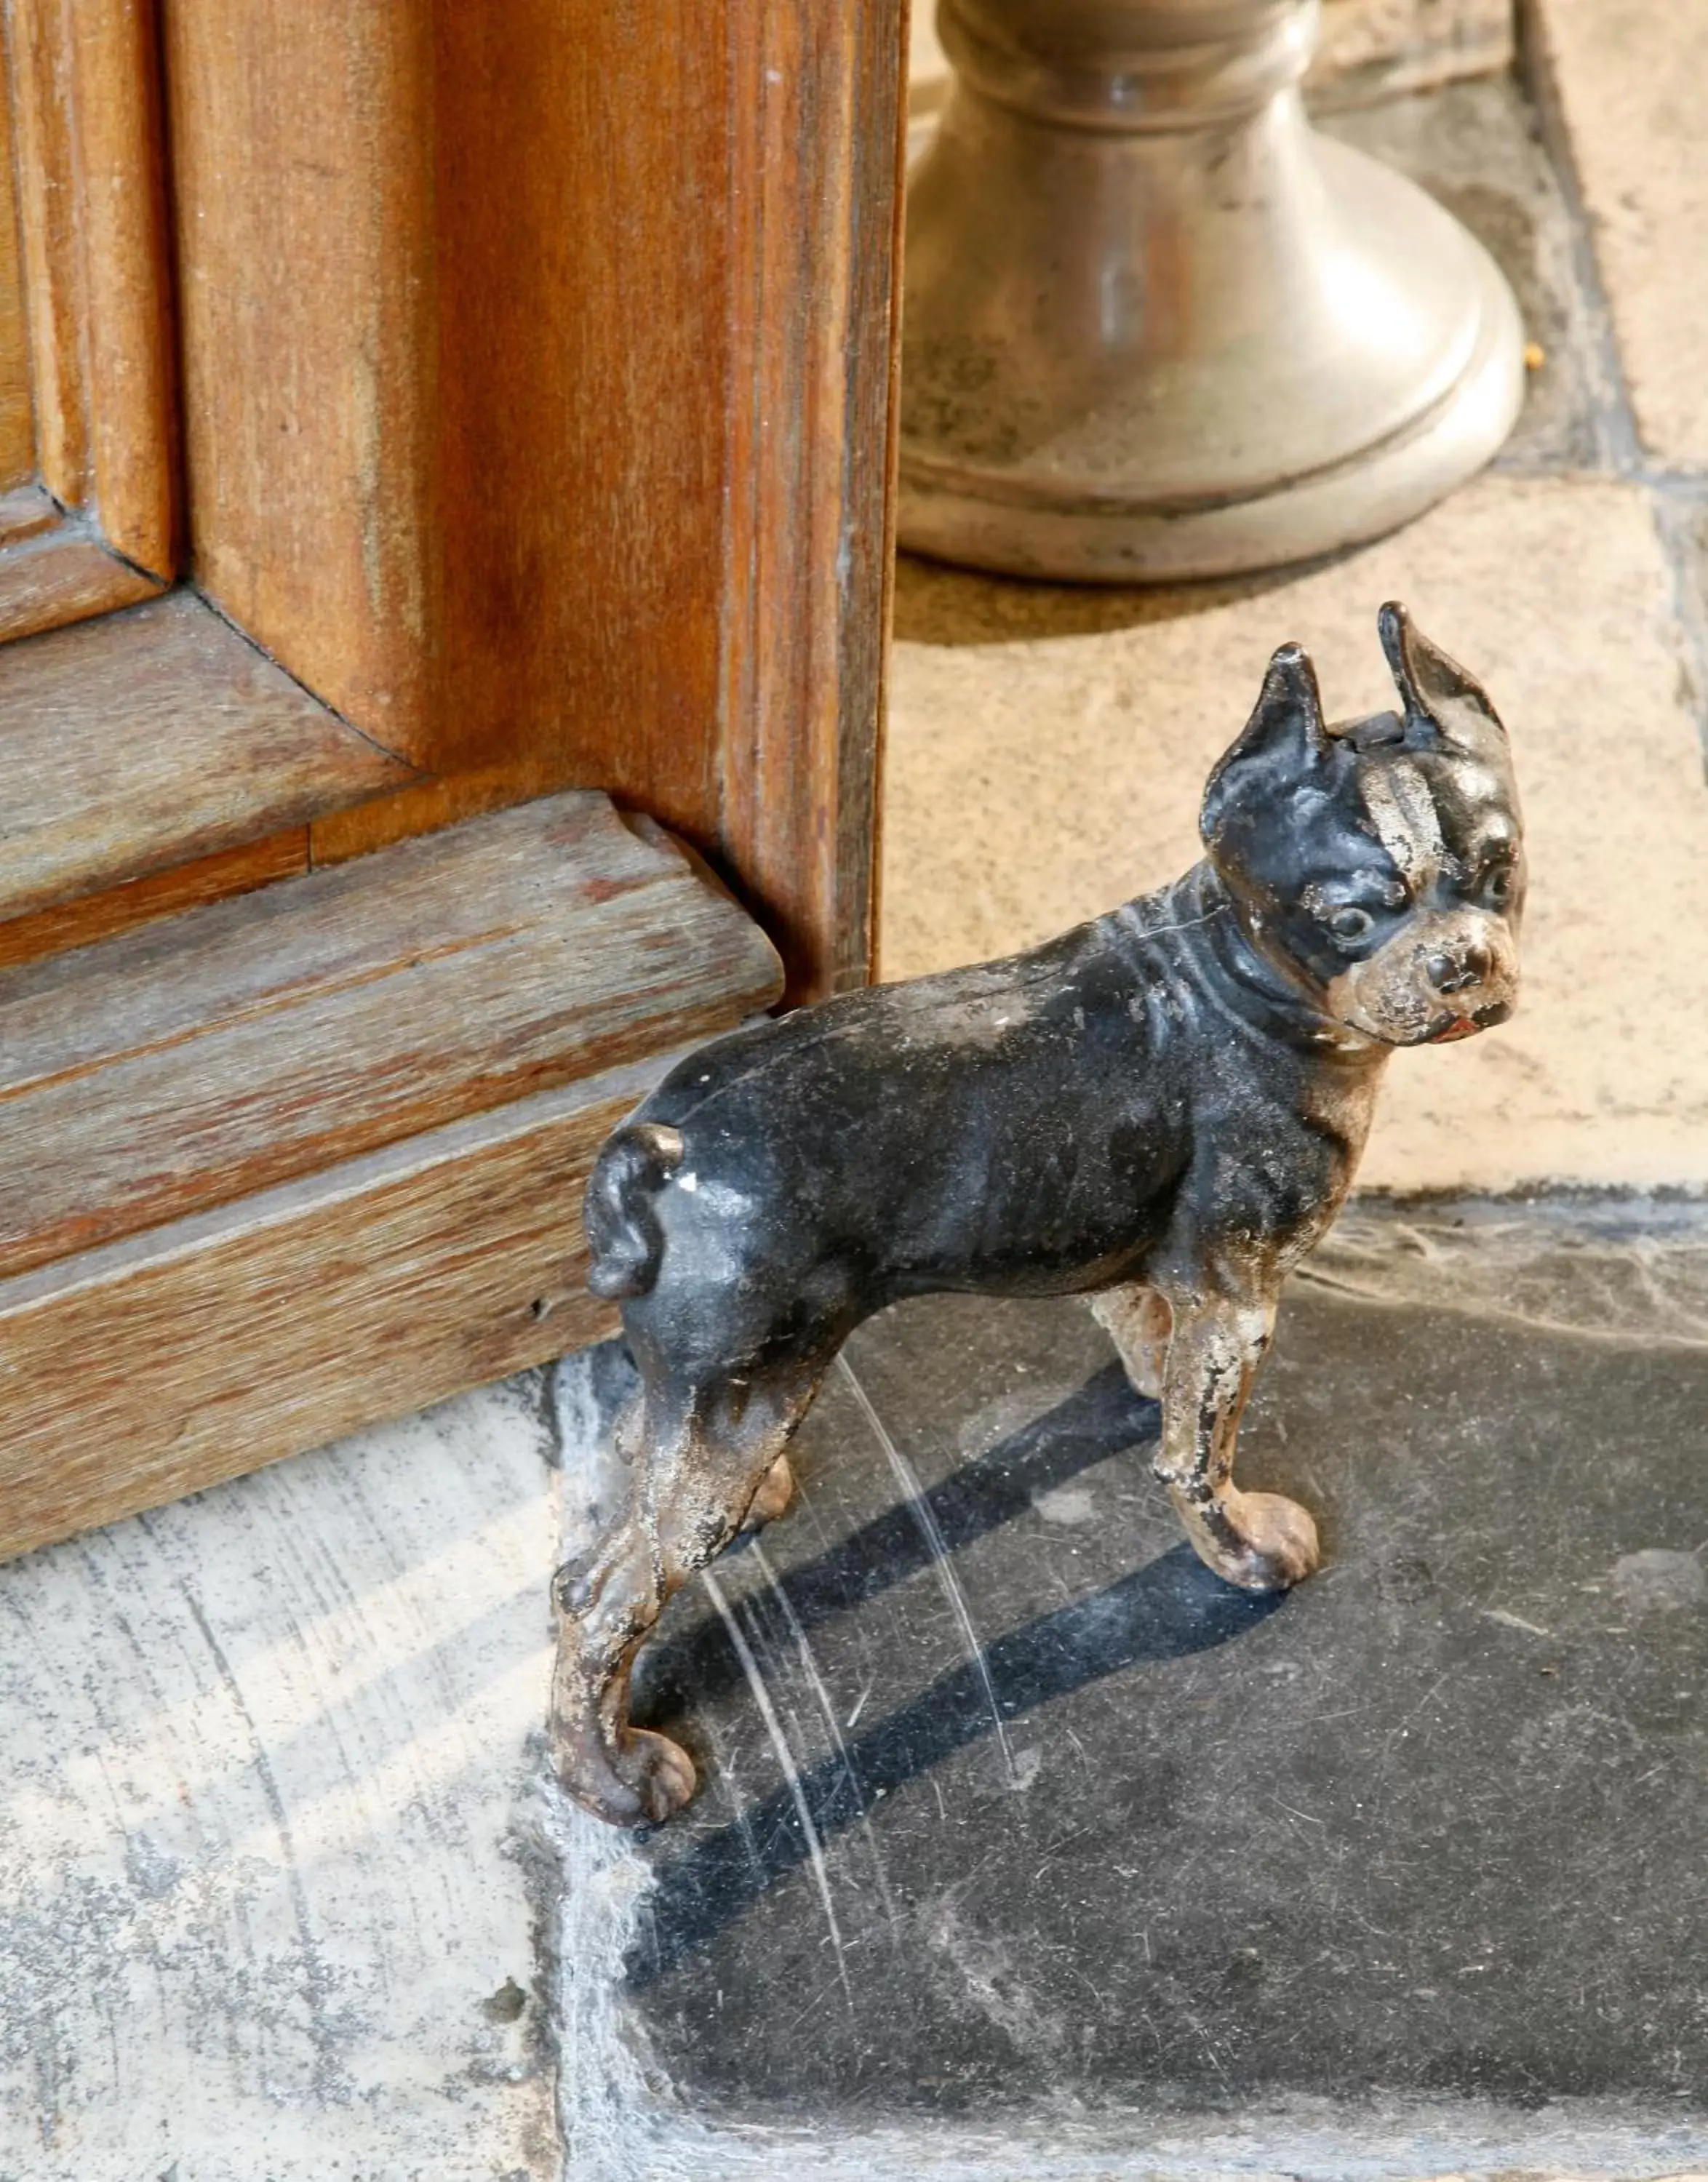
pixel 1155 327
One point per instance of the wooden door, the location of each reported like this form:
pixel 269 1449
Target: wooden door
pixel 421 430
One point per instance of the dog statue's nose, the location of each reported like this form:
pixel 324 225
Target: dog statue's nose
pixel 1457 973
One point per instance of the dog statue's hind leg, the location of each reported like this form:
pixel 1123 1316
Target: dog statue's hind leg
pixel 698 1459
pixel 1139 1321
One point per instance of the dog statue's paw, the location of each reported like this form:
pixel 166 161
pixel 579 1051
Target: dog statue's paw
pixel 1279 1541
pixel 660 1772
pixel 646 1780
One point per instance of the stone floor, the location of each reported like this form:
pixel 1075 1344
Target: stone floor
pixel 1023 1852
pixel 272 1872
pixel 1027 1846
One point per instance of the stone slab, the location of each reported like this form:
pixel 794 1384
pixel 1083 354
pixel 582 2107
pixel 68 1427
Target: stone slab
pixel 1628 80
pixel 1027 1848
pixel 1047 749
pixel 1373 49
pixel 270 1881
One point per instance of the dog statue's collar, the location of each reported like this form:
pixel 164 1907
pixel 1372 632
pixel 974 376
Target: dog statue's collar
pixel 1228 963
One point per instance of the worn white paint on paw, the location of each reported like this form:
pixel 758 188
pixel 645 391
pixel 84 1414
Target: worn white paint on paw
pixel 266 1903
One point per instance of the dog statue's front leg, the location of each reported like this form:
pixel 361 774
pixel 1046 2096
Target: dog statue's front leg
pixel 1260 1540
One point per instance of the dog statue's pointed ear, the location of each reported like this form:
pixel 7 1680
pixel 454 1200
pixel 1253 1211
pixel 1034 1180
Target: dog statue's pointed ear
pixel 1442 702
pixel 1284 739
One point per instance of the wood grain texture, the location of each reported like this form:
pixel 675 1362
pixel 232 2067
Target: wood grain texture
pixel 145 901
pixel 199 1061
pixel 121 215
pixel 38 57
pixel 819 145
pixel 301 139
pixel 92 231
pixel 537 368
pixel 63 573
pixel 423 807
pixel 203 1349
pixel 17 413
pixel 25 512
pixel 151 738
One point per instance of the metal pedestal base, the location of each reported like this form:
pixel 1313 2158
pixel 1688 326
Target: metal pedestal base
pixel 1157 328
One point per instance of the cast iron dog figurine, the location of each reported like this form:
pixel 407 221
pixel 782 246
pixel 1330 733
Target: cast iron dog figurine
pixel 1164 1109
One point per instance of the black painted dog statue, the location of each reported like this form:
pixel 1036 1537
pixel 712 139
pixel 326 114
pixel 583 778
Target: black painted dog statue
pixel 1163 1109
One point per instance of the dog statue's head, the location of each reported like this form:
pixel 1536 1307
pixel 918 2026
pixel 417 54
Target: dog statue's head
pixel 1380 862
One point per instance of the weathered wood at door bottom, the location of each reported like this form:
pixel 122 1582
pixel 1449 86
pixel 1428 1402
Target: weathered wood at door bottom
pixel 190 1354
pixel 278 1167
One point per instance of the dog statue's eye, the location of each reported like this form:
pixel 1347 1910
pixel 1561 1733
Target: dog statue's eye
pixel 1497 885
pixel 1351 924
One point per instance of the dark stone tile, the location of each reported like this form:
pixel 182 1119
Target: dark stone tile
pixel 1011 1808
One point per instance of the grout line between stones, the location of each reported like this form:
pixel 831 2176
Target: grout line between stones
pixel 1680 506
pixel 1678 499
pixel 1619 446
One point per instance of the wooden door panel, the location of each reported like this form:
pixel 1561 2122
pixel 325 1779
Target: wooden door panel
pixel 90 189
pixel 817 141
pixel 538 391
pixel 17 412
pixel 197 1351
pixel 103 915
pixel 278 1167
pixel 535 401
pixel 244 1043
pixel 147 739
pixel 135 744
